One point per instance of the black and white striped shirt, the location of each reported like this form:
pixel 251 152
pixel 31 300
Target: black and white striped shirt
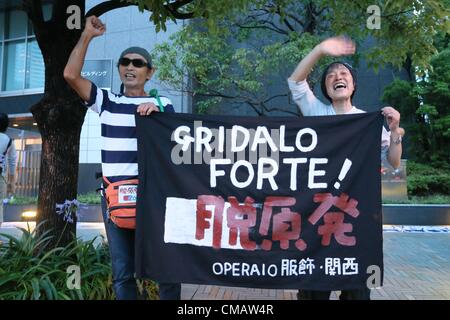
pixel 118 136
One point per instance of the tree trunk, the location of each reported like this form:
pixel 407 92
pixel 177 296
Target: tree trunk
pixel 59 115
pixel 59 164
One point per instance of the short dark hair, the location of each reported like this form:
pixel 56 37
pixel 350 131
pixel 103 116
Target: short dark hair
pixel 324 76
pixel 4 122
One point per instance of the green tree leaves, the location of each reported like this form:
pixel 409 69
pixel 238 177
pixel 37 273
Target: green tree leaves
pixel 424 106
pixel 243 48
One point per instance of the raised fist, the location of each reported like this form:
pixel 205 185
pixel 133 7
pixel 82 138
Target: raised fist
pixel 94 27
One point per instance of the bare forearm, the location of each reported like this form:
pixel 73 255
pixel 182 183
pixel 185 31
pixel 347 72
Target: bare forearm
pixel 76 59
pixel 306 65
pixel 395 151
pixel 72 72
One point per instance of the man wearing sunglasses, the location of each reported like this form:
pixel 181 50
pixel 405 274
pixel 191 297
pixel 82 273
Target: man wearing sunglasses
pixel 119 142
pixel 338 85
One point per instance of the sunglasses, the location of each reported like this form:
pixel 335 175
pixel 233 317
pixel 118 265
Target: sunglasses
pixel 138 63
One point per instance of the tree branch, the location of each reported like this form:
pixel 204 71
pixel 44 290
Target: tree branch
pixel 213 94
pixel 281 110
pixel 256 20
pixel 296 19
pixel 243 99
pixel 254 108
pixel 33 8
pixel 261 27
pixel 288 24
pixel 181 16
pixel 172 8
pixel 106 6
pixel 397 13
pixel 276 96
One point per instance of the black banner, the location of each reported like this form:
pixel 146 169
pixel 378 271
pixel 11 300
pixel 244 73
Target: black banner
pixel 277 202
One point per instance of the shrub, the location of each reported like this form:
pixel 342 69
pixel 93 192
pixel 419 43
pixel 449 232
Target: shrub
pixel 31 270
pixel 427 180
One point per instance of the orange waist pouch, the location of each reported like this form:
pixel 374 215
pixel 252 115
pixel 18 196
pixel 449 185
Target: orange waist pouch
pixel 121 202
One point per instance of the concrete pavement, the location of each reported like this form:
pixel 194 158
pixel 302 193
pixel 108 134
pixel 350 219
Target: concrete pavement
pixel 417 267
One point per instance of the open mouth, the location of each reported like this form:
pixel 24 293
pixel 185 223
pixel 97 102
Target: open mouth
pixel 130 76
pixel 339 85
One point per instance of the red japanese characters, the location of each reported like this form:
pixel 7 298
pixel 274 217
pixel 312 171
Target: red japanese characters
pixel 278 222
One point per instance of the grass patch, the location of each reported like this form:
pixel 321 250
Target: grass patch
pixel 19 200
pixel 87 198
pixel 432 199
pixel 90 198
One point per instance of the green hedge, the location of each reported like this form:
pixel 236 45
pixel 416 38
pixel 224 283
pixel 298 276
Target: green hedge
pixel 426 180
pixel 87 198
pixel 423 180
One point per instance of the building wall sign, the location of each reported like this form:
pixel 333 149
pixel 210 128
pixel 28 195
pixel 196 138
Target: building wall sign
pixel 99 72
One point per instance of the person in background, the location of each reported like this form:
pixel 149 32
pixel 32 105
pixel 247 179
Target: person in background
pixel 8 158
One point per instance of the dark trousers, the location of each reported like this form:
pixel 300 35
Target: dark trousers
pixel 357 294
pixel 121 248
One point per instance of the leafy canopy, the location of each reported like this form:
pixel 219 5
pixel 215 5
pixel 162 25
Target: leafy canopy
pixel 243 49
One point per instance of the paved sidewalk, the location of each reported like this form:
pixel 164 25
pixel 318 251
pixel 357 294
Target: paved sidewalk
pixel 417 267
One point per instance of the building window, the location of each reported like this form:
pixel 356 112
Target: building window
pixel 14 62
pixel 21 62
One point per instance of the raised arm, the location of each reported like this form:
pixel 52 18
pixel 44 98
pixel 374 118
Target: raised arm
pixel 72 72
pixel 337 46
pixel 395 147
